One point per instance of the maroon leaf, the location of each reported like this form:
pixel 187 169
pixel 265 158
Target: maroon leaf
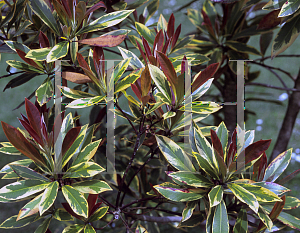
pixel 270 20
pixel 95 7
pixel 167 43
pixel 183 63
pixel 207 23
pixel 44 132
pixel 254 150
pixel 17 139
pixel 67 8
pixel 91 200
pixel 204 75
pixel 25 118
pixel 98 57
pixel 168 69
pixel 27 60
pixel 75 77
pixel 217 145
pixel 32 133
pixel 43 39
pixel 34 116
pixel 104 41
pixel 176 36
pixel 70 211
pixel 136 91
pixel 147 48
pixel 95 207
pixel 262 167
pixel 170 28
pixel 142 52
pixel 145 81
pixel 70 138
pixel 158 42
pixel 57 125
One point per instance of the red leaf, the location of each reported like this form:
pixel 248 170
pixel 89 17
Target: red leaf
pixel 289 177
pixel 207 23
pixel 70 211
pixel 142 52
pixel 270 20
pixel 43 39
pixel 34 116
pixel 104 41
pixel 170 28
pixel 184 60
pixel 217 145
pixel 76 77
pixel 91 200
pixel 168 69
pixel 70 138
pixel 254 150
pixel 176 36
pixel 204 75
pixel 17 139
pixel 67 8
pixel 98 57
pixel 262 167
pixel 158 41
pixel 95 7
pixel 145 81
pixel 166 46
pixel 95 207
pixel 27 60
pixel 147 48
pixel 32 133
pixel 136 91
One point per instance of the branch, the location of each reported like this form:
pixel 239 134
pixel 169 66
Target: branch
pixel 165 219
pixel 273 87
pixel 127 118
pixel 288 122
pixel 268 57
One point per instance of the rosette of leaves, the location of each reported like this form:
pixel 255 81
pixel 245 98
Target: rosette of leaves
pixel 57 160
pixel 231 182
pixel 101 81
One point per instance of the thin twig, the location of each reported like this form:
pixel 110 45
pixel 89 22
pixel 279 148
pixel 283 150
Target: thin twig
pixel 270 86
pixel 107 202
pixel 283 55
pixel 130 122
pixel 137 201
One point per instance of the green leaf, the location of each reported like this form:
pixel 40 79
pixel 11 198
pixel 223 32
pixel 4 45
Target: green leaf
pixel 74 49
pixel 188 210
pixel 202 89
pixel 89 229
pixel 41 9
pixel 98 214
pixel 291 203
pixel 264 217
pixel 21 189
pixel 145 32
pixel 140 229
pixel 203 107
pixel 38 54
pixel 44 92
pixel 286 36
pixel 277 166
pixel 273 187
pixel 290 7
pixel 17 45
pixel 58 51
pixel 91 186
pixel 215 196
pixel 274 5
pixel 126 82
pixel 161 82
pixel 244 196
pixel 176 193
pixel 13 223
pixel 23 66
pixel 222 133
pixel 286 218
pixel 192 178
pixel 154 107
pixel 22 28
pixel 76 144
pixel 28 173
pixel 174 154
pixel 10 150
pixel 135 62
pixel 75 94
pixel 76 200
pixel 220 221
pixel 84 169
pixel 209 220
pixel 61 214
pixel 241 224
pixel 44 226
pixel 48 197
pixel 105 21
pixel 30 208
pixel 87 153
pixel 76 228
pixel 205 150
pixel 169 114
pixel 262 194
pixel 242 48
